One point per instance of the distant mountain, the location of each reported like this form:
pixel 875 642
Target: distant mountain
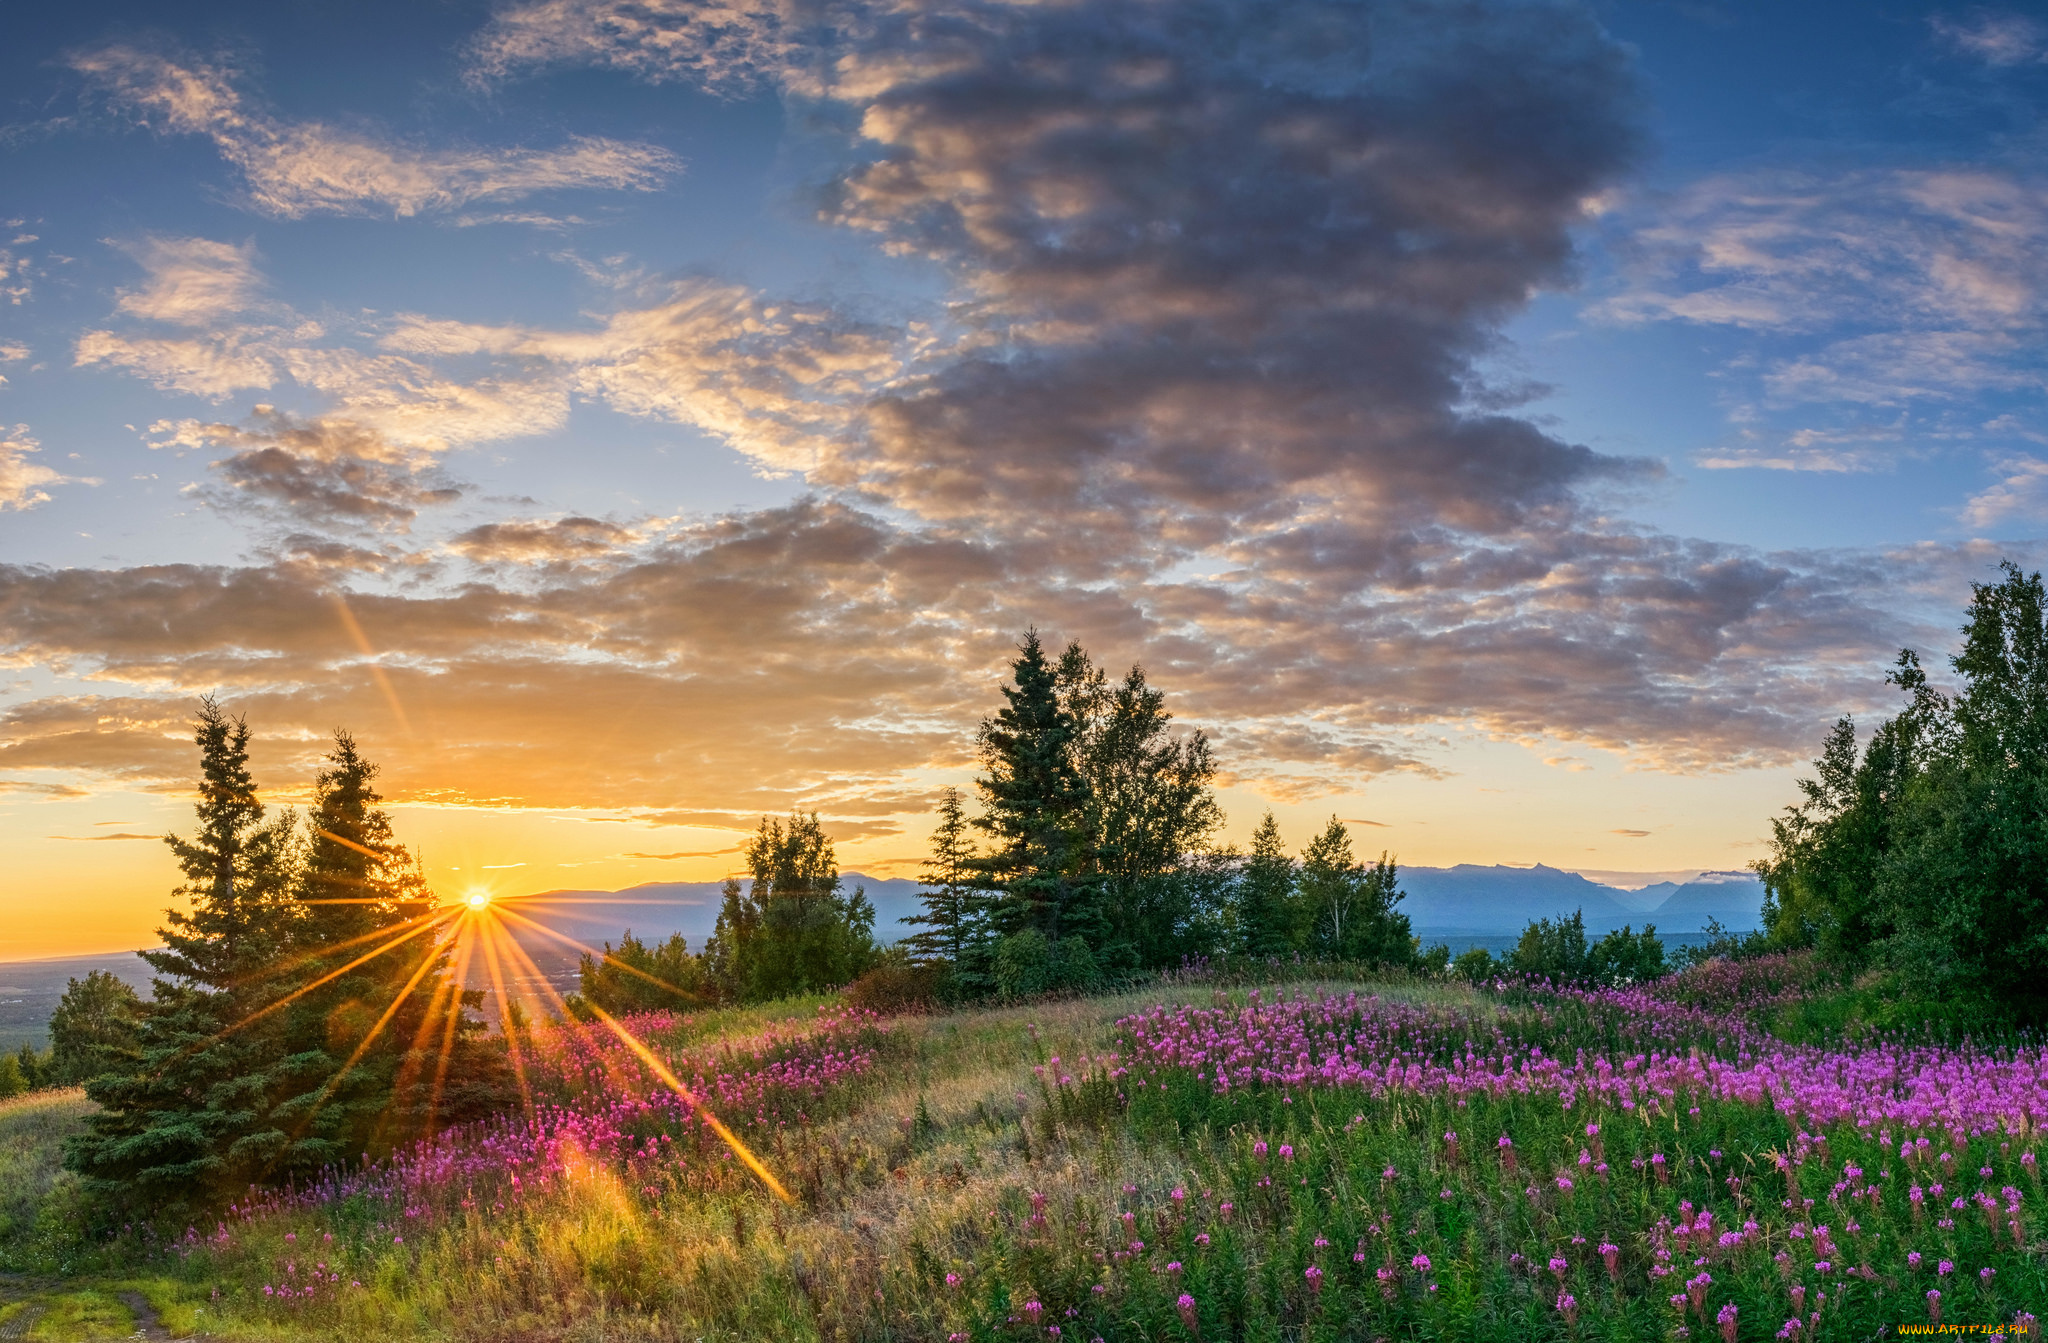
pixel 1735 899
pixel 1492 900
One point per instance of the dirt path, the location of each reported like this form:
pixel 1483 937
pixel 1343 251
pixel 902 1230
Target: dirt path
pixel 147 1326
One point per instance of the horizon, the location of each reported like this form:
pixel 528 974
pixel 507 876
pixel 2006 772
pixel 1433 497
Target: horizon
pixel 1520 434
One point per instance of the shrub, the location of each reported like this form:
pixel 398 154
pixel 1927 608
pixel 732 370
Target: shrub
pixel 1475 965
pixel 897 985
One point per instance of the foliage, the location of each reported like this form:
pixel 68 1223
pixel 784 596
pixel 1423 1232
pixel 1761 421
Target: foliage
pixel 1265 918
pixel 1557 950
pixel 1476 965
pixel 196 1121
pixel 792 931
pixel 303 1012
pixel 635 977
pixel 1027 963
pixel 896 983
pixel 954 917
pixel 94 1029
pixel 1346 908
pixel 1036 808
pixel 1924 854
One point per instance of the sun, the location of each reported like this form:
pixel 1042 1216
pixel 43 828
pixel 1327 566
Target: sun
pixel 479 899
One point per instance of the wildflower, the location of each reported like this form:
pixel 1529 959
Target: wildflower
pixel 1611 1256
pixel 1985 1275
pixel 1315 1278
pixel 1558 1265
pixel 1286 1152
pixel 1033 1310
pixel 952 1279
pixel 1568 1307
pixel 1934 1305
pixel 1726 1319
pixel 1420 1263
pixel 1186 1306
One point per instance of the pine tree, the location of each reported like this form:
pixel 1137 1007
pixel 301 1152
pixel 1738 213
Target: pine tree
pixel 1036 810
pixel 195 1122
pixel 955 916
pixel 1267 921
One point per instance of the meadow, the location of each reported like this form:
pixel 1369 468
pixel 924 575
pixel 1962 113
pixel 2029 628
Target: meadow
pixel 1325 1159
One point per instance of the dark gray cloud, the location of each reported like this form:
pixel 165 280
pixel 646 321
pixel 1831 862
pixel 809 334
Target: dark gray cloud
pixel 320 472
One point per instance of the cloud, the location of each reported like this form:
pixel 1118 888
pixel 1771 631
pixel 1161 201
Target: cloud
pixel 295 169
pixel 1218 280
pixel 2021 494
pixel 1897 288
pixel 330 472
pixel 83 838
pixel 214 368
pixel 1631 834
pixel 22 481
pixel 193 281
pixel 1995 38
pixel 694 853
pixel 1231 260
pixel 565 539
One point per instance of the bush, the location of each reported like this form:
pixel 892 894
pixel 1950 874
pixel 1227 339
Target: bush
pixel 1476 965
pixel 1028 963
pixel 897 985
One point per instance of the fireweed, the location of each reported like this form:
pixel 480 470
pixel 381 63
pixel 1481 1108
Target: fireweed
pixel 1522 1163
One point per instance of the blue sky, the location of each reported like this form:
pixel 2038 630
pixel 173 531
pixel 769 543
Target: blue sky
pixel 1518 427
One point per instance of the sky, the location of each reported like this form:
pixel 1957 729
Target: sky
pixel 1518 428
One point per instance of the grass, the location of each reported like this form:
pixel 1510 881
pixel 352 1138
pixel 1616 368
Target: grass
pixel 964 1187
pixel 74 1317
pixel 32 1132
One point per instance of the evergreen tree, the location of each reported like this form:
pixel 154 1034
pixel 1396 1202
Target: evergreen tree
pixel 362 1048
pixel 955 915
pixel 35 1067
pixel 1267 921
pixel 94 1029
pixel 1035 810
pixel 195 1122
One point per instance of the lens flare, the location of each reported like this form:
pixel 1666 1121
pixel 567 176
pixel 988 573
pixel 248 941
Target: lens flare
pixel 479 899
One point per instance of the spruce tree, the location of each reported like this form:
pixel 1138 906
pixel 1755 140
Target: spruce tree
pixel 1267 921
pixel 195 1123
pixel 954 916
pixel 363 1047
pixel 1036 805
